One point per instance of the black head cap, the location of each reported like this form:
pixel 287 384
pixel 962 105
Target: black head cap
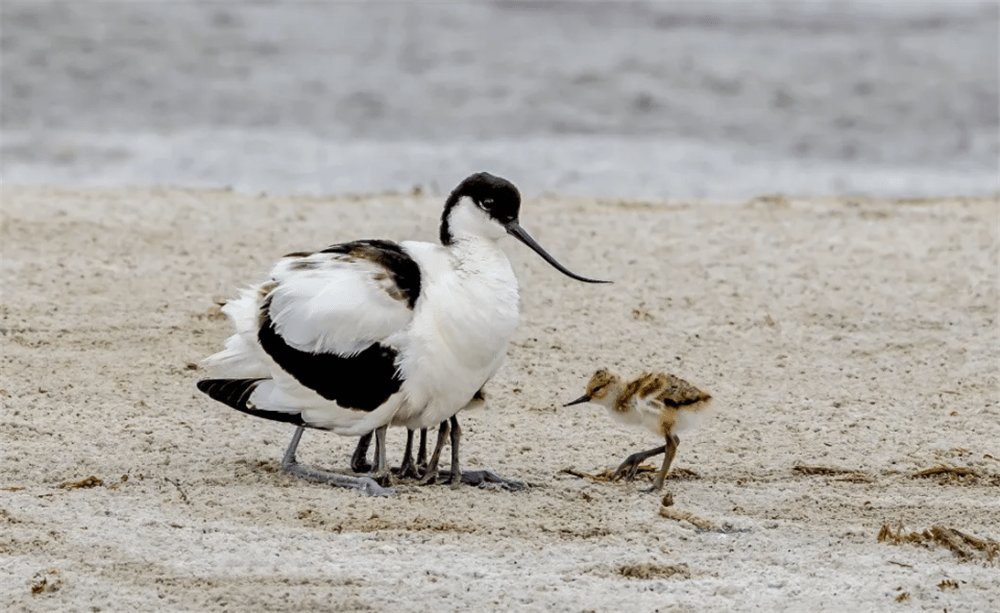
pixel 495 195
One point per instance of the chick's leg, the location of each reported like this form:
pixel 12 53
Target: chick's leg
pixel 631 463
pixel 671 450
pixel 359 460
pixel 408 469
pixel 431 474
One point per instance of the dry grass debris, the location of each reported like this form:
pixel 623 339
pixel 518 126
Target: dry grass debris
pixel 966 546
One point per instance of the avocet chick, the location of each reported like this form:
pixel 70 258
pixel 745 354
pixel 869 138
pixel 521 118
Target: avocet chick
pixel 659 402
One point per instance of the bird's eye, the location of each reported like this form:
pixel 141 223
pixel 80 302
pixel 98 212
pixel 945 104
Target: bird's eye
pixel 486 203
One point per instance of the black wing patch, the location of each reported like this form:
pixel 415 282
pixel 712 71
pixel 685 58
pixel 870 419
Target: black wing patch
pixel 361 382
pixel 236 393
pixel 404 271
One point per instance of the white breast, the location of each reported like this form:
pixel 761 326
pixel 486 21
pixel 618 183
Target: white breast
pixel 643 413
pixel 648 413
pixel 463 322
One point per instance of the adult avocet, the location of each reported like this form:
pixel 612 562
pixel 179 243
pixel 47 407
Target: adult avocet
pixel 658 402
pixel 370 333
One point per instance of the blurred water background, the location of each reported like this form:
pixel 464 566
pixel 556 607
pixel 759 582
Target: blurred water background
pixel 656 99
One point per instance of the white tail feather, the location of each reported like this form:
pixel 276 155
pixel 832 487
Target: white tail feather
pixel 242 358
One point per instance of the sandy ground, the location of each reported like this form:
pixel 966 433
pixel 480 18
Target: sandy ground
pixel 855 337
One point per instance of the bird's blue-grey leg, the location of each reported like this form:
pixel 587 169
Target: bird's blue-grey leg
pixel 431 474
pixel 671 449
pixel 290 465
pixel 481 478
pixel 408 469
pixel 359 460
pixel 631 463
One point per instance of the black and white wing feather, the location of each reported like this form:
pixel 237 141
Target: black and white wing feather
pixel 315 344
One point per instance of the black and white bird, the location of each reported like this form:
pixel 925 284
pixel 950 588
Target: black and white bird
pixel 372 333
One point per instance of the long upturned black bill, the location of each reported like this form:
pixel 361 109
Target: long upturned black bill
pixel 515 230
pixel 580 400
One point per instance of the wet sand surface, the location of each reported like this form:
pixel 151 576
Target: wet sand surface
pixel 659 99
